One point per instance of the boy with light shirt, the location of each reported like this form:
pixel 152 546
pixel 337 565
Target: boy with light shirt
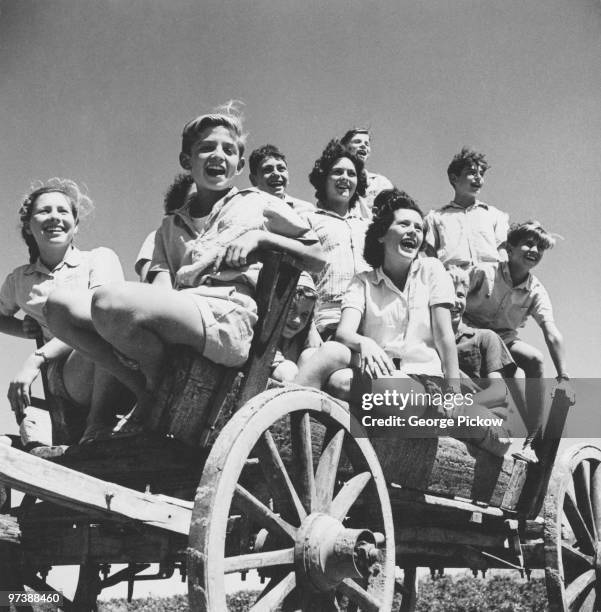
pixel 502 296
pixel 358 142
pixel 269 173
pixel 467 231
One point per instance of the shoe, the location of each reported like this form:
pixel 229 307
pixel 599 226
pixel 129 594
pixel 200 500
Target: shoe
pixel 526 454
pixel 49 452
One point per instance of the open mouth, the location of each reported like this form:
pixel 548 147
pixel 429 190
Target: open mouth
pixel 409 243
pixel 276 183
pixel 530 257
pixel 215 171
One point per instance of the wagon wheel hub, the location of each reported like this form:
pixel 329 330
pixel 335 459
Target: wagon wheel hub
pixel 325 552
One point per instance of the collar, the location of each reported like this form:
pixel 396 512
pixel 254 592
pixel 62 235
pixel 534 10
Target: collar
pixel 72 259
pixel 477 204
pixel 381 277
pixel 525 285
pixel 351 214
pixel 464 331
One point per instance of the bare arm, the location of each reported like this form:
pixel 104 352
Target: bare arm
pixel 237 252
pixel 12 326
pixel 444 341
pixel 556 347
pixel 374 360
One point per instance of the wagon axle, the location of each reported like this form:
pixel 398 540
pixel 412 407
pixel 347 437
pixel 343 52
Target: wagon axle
pixel 326 553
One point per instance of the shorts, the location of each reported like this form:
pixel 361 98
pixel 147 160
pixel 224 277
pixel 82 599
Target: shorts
pixel 56 382
pixel 229 317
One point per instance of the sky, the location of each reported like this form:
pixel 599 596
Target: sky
pixel 98 91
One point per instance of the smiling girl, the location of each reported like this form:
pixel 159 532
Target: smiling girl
pixel 339 180
pixel 49 222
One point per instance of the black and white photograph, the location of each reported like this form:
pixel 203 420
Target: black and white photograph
pixel 299 305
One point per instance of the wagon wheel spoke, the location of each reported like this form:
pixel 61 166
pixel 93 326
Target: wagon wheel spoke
pixel 327 469
pixel 357 594
pixel 580 587
pixel 273 596
pixel 348 495
pixel 572 555
pixel 262 514
pixel 277 477
pixel 596 495
pixel 582 479
pixel 241 563
pixel 577 523
pixel 302 451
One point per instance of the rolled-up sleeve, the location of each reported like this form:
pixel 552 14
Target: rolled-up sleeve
pixel 8 304
pixel 440 284
pixel 354 296
pixel 541 308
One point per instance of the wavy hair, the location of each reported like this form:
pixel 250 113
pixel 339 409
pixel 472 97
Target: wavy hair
pixel 80 203
pixel 331 154
pixel 385 205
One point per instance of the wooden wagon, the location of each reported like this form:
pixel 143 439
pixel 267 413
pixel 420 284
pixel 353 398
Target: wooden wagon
pixel 245 475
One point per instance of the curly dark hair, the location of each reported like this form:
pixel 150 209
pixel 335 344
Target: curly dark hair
pixel 385 205
pixel 259 155
pixel 331 154
pixel 466 157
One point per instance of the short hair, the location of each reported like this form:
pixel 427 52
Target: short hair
pixel 228 115
pixel 385 205
pixel 349 135
pixel 465 158
pixel 531 229
pixel 459 276
pixel 79 201
pixel 331 154
pixel 259 155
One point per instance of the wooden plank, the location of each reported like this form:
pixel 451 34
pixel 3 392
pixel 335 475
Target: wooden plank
pixel 72 489
pixel 445 466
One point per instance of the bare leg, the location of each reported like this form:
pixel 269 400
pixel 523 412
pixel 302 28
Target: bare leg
pixel 316 371
pixel 68 314
pixel 139 320
pixel 530 360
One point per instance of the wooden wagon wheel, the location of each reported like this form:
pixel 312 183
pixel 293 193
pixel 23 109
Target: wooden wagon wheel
pixel 318 502
pixel 572 513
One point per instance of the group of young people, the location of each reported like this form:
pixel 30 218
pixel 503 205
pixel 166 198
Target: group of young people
pixel 386 290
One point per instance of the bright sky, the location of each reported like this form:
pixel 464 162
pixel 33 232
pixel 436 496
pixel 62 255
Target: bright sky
pixel 98 91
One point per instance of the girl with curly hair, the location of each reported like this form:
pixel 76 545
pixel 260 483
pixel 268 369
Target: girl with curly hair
pixel 49 218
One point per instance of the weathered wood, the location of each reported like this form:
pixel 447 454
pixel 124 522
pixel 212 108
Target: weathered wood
pixel 537 481
pixel 302 451
pixel 221 482
pixel 445 466
pixel 259 560
pixel 73 489
pixel 570 562
pixel 436 535
pixel 10 531
pixel 515 486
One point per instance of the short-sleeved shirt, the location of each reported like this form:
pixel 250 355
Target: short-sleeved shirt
pixel 466 236
pixel 482 352
pixel 494 303
pixel 342 240
pixel 27 287
pixel 186 246
pixel 400 321
pixel 375 184
pixel 145 252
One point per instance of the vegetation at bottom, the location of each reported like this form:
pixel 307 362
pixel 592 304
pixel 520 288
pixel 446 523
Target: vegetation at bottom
pixel 460 593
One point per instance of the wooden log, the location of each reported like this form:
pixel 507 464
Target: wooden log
pixel 445 466
pixel 73 489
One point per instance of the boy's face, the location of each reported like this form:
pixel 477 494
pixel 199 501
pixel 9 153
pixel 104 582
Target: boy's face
pixel 526 253
pixel 458 307
pixel 214 159
pixel 300 312
pixel 470 181
pixel 272 176
pixel 359 146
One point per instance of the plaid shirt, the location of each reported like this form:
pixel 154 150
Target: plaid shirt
pixel 342 240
